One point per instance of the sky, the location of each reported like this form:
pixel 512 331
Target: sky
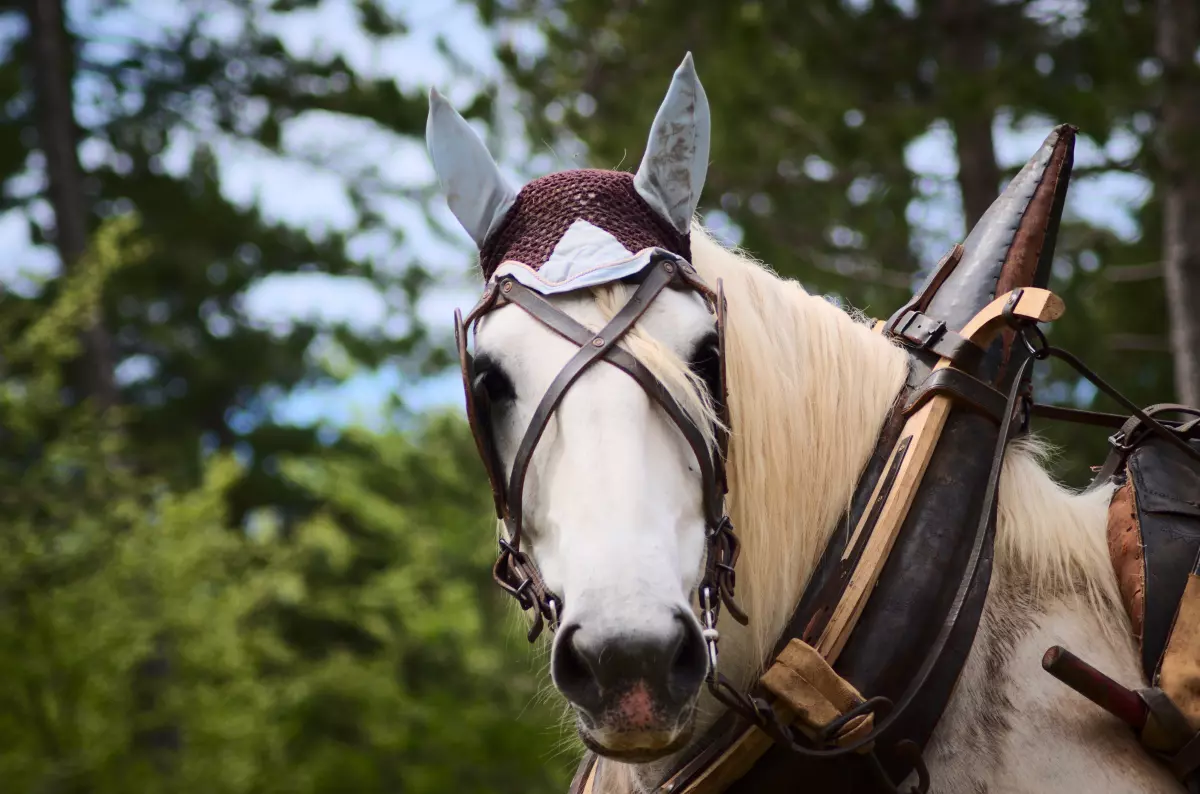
pixel 292 190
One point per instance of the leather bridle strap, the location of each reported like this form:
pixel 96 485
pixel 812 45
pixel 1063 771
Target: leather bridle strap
pixel 589 353
pixel 514 571
pixel 563 325
pixel 723 546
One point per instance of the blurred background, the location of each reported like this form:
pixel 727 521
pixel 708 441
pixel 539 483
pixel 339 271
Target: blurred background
pixel 244 537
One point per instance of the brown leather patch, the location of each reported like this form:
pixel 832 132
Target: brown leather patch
pixel 1125 549
pixel 1179 676
pixel 1021 264
pixel 1026 250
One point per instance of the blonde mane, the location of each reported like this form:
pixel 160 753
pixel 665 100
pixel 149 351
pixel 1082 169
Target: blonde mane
pixel 810 386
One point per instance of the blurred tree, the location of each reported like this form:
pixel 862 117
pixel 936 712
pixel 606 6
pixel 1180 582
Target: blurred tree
pixel 1178 44
pixel 405 683
pixel 397 568
pixel 121 105
pixel 816 110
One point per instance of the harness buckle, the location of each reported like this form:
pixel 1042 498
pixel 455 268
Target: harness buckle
pixel 919 329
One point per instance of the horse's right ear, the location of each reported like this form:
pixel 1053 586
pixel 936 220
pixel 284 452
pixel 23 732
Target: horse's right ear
pixel 478 194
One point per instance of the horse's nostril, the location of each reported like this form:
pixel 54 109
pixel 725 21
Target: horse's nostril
pixel 690 664
pixel 572 670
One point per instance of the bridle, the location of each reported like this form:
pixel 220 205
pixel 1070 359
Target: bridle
pixel 514 571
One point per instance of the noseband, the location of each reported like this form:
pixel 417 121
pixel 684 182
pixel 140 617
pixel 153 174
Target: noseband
pixel 514 571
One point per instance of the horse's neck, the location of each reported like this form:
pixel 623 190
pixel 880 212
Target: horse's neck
pixel 810 387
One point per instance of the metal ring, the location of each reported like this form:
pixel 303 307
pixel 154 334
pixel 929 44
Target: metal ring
pixel 1040 351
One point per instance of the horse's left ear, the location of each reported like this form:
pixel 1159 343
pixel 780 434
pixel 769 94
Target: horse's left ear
pixel 672 172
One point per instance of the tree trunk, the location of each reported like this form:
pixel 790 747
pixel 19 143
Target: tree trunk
pixel 53 67
pixel 1178 37
pixel 962 72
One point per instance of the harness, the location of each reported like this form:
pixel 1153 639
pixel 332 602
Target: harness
pixel 895 601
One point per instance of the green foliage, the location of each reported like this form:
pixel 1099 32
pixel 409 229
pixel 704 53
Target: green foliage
pixel 359 650
pixel 159 94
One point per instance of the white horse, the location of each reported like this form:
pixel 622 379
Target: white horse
pixel 614 521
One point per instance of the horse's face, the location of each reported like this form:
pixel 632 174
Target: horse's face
pixel 613 516
pixel 612 500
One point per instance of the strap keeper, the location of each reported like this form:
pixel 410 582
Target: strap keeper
pixel 817 697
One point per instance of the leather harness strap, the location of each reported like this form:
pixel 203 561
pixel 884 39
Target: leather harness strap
pixel 1125 439
pixel 965 389
pixel 563 325
pixel 925 333
pixel 866 552
pixel 589 353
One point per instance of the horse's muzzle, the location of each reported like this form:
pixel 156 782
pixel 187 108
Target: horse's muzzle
pixel 635 692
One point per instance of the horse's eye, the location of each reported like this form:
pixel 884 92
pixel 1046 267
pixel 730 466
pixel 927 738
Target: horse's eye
pixel 705 361
pixel 491 380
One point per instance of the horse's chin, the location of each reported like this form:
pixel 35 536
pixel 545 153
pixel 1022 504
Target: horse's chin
pixel 638 746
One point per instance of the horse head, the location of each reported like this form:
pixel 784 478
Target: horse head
pixel 596 394
pixel 607 472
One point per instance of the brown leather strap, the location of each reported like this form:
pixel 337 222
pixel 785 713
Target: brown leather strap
pixel 514 571
pixel 588 354
pixel 1079 416
pixel 715 742
pixel 925 333
pixel 1133 430
pixel 584 773
pixel 544 312
pixel 968 390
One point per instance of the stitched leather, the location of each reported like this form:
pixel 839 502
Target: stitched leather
pixel 1006 246
pixel 1129 563
pixel 1167 488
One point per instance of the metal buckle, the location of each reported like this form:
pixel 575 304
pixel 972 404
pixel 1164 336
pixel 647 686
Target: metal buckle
pixel 926 337
pixel 1117 442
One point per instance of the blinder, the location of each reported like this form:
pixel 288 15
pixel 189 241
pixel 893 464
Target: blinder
pixel 514 571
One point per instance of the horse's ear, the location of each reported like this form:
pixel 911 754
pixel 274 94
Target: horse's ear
pixel 476 191
pixel 676 161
